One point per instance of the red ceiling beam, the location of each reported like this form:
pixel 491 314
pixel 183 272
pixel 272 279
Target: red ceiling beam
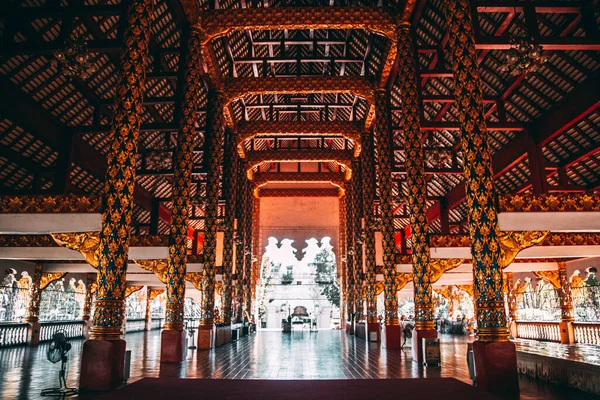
pixel 575 106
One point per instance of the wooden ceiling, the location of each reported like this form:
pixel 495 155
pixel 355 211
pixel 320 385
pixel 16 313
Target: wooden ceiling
pixel 544 128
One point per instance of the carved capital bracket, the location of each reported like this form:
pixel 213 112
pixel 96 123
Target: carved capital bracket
pixel 512 243
pixel 129 290
pixel 87 243
pixel 438 266
pixel 552 277
pixel 49 277
pixel 159 267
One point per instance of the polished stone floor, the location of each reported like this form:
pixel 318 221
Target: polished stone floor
pixel 25 371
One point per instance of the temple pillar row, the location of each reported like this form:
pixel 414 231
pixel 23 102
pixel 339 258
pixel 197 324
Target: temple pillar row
pixel 103 355
pixel 495 356
pixel 567 312
pixel 248 250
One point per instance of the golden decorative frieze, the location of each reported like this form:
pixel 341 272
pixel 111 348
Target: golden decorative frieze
pixel 159 267
pixel 347 129
pixel 552 277
pixel 572 239
pixel 553 202
pixel 341 157
pixel 149 241
pixel 449 241
pixel 316 192
pixel 87 243
pixel 437 267
pixel 49 277
pixel 511 243
pixel 468 289
pixel 334 178
pixel 129 290
pixel 50 204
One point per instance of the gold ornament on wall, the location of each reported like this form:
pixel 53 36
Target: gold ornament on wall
pixel 511 243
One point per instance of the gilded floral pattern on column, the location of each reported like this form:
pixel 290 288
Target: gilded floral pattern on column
pixel 182 179
pixel 359 301
pixel 481 192
pixel 415 179
pixel 215 136
pixel 35 295
pixel 239 242
pixel 368 193
pixel 120 173
pixel 230 175
pixel 383 135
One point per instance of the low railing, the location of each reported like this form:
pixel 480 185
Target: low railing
pixel 72 329
pixel 135 325
pixel 13 334
pixel 587 332
pixel 157 323
pixel 537 330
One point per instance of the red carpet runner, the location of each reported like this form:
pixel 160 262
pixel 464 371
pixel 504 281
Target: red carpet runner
pixel 380 389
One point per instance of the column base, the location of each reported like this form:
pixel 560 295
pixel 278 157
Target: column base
pixel 102 365
pixel 514 333
pixel 392 337
pixel 172 346
pixel 567 334
pixel 206 337
pixel 33 333
pixel 223 335
pixel 373 327
pixel 350 327
pixel 496 367
pixel 86 329
pixel 417 343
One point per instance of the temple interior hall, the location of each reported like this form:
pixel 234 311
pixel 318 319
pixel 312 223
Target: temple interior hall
pixel 292 199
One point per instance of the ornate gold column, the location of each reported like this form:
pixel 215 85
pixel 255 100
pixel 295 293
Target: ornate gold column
pixel 383 134
pixel 215 133
pixel 239 242
pixel 368 194
pixel 148 311
pixel 498 376
pixel 182 178
pixel 256 250
pixel 359 301
pixel 511 297
pixel 120 179
pixel 35 296
pixel 481 192
pixel 415 178
pixel 249 206
pixel 350 261
pixel 230 175
pixel 342 260
pixel 566 294
pixel 90 280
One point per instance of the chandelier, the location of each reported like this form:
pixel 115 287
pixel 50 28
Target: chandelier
pixel 524 56
pixel 74 59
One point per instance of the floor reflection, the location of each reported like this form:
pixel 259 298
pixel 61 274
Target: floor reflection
pixel 267 355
